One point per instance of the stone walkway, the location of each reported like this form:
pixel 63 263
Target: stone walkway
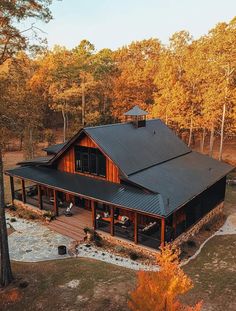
pixel 33 242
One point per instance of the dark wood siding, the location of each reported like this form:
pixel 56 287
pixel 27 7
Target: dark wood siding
pixel 199 206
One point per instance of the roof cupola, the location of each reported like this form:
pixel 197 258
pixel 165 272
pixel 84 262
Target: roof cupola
pixel 136 116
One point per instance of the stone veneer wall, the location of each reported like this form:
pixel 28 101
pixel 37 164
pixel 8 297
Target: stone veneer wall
pixel 128 244
pixel 195 228
pixel 28 207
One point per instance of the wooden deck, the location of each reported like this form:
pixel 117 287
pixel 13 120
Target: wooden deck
pixel 73 226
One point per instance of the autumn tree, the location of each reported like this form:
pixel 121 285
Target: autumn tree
pixel 161 290
pixel 12 39
pixel 134 84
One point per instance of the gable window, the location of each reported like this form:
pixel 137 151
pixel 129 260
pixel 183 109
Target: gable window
pixel 90 160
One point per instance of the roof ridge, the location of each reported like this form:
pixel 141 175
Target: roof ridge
pixel 114 124
pixel 144 169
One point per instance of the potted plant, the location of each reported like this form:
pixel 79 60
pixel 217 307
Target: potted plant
pixel 48 216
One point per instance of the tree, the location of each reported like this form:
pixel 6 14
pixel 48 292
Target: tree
pixel 13 40
pixel 134 83
pixel 160 290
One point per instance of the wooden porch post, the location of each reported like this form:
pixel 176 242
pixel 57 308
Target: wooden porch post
pixel 112 220
pixel 93 207
pixel 163 232
pixel 55 206
pixel 23 191
pixel 40 197
pixel 12 189
pixel 135 227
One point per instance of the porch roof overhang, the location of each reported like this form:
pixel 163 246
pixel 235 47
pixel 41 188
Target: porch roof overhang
pixel 119 195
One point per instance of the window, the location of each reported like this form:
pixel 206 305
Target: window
pixel 90 160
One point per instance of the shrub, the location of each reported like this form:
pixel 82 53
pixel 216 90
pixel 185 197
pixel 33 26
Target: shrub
pixel 49 214
pixel 12 220
pixel 207 228
pixel 191 243
pixel 12 208
pixel 98 243
pixel 119 249
pixel 133 255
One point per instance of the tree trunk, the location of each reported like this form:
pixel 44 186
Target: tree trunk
pixel 21 141
pixel 6 273
pixel 31 143
pixel 190 132
pixel 222 132
pixel 203 139
pixel 83 104
pixel 211 140
pixel 64 124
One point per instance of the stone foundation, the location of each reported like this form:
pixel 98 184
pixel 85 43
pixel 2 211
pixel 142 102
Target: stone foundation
pixel 28 207
pixel 195 228
pixel 150 252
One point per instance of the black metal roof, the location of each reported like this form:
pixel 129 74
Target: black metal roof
pixel 36 161
pixel 136 111
pixel 53 149
pixel 182 178
pixel 135 149
pixel 101 190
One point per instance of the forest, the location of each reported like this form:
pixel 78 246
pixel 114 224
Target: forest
pixel 189 84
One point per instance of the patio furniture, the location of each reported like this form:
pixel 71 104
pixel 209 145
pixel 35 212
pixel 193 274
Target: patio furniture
pixel 32 191
pixel 149 228
pixel 68 212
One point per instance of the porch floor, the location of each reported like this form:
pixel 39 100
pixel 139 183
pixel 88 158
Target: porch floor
pixel 73 226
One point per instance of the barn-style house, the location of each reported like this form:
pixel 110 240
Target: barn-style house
pixel 136 181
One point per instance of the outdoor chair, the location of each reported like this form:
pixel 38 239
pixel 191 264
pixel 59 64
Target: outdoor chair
pixel 68 212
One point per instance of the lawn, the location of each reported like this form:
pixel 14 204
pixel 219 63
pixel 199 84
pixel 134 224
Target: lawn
pixel 97 286
pixel 214 275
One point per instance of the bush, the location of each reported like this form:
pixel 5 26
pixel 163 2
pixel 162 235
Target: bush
pixel 207 228
pixel 49 215
pixel 191 243
pixel 119 249
pixel 12 220
pixel 13 208
pixel 98 243
pixel 133 256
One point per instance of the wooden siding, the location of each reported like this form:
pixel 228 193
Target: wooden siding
pixel 67 162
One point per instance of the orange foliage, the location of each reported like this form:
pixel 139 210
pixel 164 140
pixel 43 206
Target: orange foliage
pixel 159 290
pixel 10 296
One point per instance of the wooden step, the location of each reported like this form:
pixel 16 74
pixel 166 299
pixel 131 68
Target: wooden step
pixel 77 236
pixel 66 226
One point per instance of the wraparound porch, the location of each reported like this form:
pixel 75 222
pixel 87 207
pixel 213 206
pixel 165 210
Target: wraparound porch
pixel 119 222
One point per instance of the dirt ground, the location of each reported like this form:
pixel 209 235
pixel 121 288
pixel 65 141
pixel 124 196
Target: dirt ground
pixel 72 284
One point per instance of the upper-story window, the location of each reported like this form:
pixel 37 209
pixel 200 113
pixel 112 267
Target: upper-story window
pixel 90 160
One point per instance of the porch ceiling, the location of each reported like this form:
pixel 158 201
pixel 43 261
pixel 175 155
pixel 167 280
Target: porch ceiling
pixel 100 190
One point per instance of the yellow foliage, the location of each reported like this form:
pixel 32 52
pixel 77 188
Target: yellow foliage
pixel 160 290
